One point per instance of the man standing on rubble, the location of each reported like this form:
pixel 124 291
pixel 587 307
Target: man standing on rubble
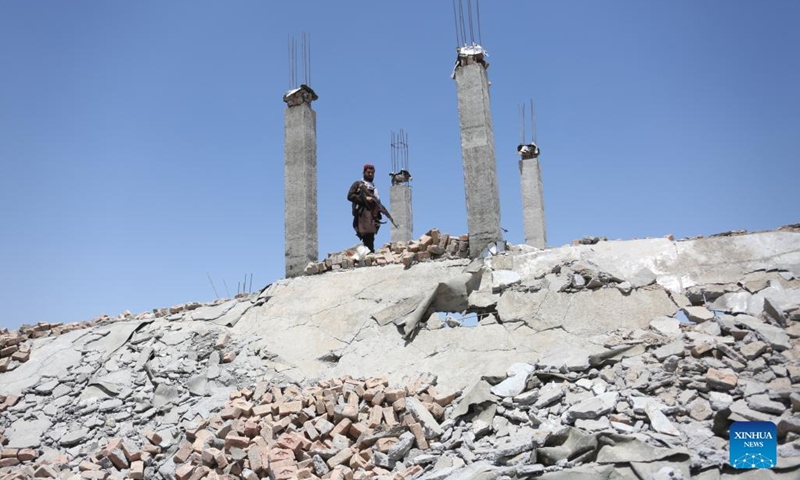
pixel 366 210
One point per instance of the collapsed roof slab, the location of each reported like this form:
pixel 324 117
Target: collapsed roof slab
pixel 677 265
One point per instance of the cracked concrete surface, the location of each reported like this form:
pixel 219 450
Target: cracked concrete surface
pixel 329 316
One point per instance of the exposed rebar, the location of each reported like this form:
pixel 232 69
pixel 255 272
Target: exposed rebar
pixel 455 21
pixel 461 14
pixel 469 16
pixel 212 285
pixel 478 7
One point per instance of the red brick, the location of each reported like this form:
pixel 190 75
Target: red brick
pixel 280 454
pixel 137 470
pixel 389 416
pixel 87 465
pixel 236 441
pixel 27 454
pixel 290 441
pixel 419 436
pixel 385 444
pixel 9 453
pixel 411 471
pixel 394 394
pixel 9 462
pixel 153 437
pixel 341 427
pixel 184 472
pixel 289 408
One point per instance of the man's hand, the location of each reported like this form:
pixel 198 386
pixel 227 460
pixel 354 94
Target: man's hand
pixel 369 199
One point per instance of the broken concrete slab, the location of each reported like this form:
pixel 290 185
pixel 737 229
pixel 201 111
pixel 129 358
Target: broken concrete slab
pixel 584 313
pixel 51 356
pixel 516 382
pixel 28 433
pixel 776 336
pixel 591 408
pixel 206 314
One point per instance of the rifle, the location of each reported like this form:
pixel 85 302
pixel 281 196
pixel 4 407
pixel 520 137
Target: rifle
pixel 378 203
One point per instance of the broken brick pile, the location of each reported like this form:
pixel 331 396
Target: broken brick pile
pixel 433 245
pixel 342 428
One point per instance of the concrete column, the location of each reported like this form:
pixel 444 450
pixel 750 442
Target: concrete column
pixel 477 150
pixel 530 174
pixel 300 181
pixel 400 206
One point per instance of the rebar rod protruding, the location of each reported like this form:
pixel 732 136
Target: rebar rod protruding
pixel 455 21
pixel 478 7
pixel 212 285
pixel 463 30
pixel 469 16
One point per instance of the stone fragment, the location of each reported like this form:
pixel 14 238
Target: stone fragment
pixel 549 393
pixel 75 437
pixel 667 326
pixel 675 348
pixel 514 384
pixel 502 279
pixel 776 336
pixel 403 445
pixel 753 350
pixel 793 371
pixel 591 408
pixel 722 379
pixel 780 388
pixel 642 278
pixel 625 287
pixel 741 412
pixel 698 314
pixel 434 322
pixel 659 421
pixel 700 409
pixel 118 458
pixel 788 425
pixel 343 456
pixel 762 403
pixel 424 417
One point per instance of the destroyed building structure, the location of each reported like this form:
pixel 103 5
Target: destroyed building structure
pixel 601 359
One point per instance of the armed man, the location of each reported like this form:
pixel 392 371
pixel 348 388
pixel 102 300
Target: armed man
pixel 367 208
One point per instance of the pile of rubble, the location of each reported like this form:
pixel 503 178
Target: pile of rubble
pixel 658 405
pixel 431 246
pixel 342 428
pixel 15 346
pixel 187 393
pixel 122 379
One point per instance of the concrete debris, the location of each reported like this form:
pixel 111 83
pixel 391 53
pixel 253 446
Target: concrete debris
pixel 602 360
pixel 433 245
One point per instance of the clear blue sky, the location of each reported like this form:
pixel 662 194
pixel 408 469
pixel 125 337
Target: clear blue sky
pixel 142 142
